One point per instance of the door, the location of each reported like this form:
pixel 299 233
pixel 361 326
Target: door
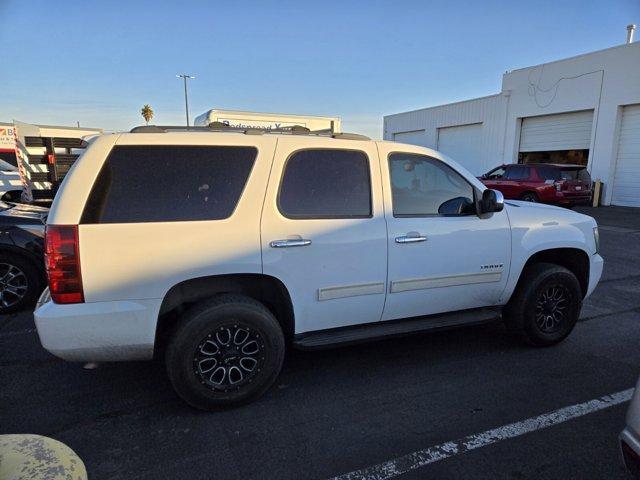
pixel 513 181
pixel 562 131
pixel 463 143
pixel 414 137
pixel 626 183
pixel 324 233
pixel 438 263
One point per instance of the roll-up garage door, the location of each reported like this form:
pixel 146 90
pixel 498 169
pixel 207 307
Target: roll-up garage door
pixel 415 137
pixel 626 183
pixel 563 131
pixel 463 143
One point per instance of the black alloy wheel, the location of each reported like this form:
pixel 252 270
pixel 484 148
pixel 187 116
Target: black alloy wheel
pixel 551 306
pixel 229 357
pixel 14 286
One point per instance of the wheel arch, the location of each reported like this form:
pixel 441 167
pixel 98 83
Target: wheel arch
pixel 573 259
pixel 532 192
pixel 266 289
pixel 38 263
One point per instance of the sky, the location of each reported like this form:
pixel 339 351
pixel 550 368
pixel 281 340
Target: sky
pixel 98 62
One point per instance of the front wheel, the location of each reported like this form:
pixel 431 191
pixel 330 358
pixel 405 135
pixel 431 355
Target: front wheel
pixel 225 353
pixel 530 197
pixel 546 305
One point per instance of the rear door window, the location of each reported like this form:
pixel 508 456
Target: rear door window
pixel 169 184
pixel 326 183
pixel 549 173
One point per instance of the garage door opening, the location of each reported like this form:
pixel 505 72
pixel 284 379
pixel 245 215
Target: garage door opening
pixel 563 138
pixel 572 157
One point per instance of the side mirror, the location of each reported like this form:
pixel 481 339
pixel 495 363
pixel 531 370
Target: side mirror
pixel 484 176
pixel 457 206
pixel 492 201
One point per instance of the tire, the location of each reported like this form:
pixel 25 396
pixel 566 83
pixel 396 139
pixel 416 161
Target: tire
pixel 535 313
pixel 20 283
pixel 12 196
pixel 530 197
pixel 206 358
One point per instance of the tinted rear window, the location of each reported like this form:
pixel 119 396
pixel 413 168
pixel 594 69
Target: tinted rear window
pixel 169 183
pixel 573 174
pixel 326 184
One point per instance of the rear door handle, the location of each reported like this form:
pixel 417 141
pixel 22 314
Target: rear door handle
pixel 299 242
pixel 410 239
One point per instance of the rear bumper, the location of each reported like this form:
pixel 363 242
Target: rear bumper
pixel 595 272
pixel 572 199
pixel 99 331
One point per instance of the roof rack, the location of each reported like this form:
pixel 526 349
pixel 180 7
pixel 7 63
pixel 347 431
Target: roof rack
pixel 223 127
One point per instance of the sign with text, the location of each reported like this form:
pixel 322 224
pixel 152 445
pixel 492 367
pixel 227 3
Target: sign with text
pixel 7 138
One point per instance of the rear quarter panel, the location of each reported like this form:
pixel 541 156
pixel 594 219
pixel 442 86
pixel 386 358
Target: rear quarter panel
pixel 136 261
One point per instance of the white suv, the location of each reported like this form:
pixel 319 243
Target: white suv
pixel 220 249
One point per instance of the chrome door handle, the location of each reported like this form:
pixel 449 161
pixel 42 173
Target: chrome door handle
pixel 290 243
pixel 407 239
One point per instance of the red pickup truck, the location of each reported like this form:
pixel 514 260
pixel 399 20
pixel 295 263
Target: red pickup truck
pixel 557 184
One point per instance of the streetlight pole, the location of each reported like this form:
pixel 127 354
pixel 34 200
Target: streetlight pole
pixel 184 76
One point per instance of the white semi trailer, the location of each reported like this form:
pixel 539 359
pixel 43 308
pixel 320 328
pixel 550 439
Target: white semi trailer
pixel 267 121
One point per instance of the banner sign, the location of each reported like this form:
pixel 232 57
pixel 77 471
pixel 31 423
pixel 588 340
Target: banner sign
pixel 7 138
pixel 257 124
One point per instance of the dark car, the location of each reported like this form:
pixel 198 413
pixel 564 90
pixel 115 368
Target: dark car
pixel 22 274
pixel 557 184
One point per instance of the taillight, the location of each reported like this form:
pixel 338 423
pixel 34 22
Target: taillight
pixel 62 261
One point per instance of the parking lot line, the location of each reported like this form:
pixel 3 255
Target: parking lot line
pixel 420 458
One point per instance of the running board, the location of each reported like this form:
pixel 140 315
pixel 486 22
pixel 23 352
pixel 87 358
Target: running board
pixel 393 328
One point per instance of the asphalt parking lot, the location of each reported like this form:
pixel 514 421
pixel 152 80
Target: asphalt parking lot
pixel 350 409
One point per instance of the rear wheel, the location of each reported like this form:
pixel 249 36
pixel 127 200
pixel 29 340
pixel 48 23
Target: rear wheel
pixel 546 305
pixel 20 283
pixel 530 197
pixel 226 352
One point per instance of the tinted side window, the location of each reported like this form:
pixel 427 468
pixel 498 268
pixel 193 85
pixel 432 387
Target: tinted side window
pixel 549 173
pixel 517 172
pixel 326 183
pixel 420 185
pixel 169 183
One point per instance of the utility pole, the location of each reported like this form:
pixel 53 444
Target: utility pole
pixel 184 76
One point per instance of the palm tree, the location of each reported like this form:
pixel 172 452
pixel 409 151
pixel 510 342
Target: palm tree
pixel 147 113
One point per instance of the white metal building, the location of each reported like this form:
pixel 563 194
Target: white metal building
pixel 584 109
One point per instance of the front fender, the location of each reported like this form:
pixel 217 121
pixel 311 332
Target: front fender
pixel 534 230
